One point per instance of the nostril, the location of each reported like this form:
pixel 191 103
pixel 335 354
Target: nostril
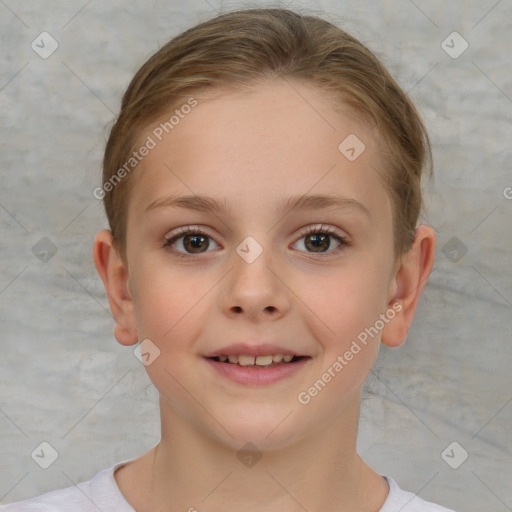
pixel 238 309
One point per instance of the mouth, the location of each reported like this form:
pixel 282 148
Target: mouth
pixel 261 361
pixel 256 365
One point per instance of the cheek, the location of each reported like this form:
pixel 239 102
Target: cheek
pixel 348 300
pixel 169 302
pixel 170 312
pixel 349 304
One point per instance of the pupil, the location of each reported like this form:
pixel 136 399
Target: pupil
pixel 318 242
pixel 192 242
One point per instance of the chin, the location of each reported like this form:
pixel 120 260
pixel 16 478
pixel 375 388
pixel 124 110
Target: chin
pixel 265 431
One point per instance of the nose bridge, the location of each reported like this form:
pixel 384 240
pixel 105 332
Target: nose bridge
pixel 253 287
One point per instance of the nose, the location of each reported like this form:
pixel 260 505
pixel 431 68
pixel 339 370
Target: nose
pixel 255 290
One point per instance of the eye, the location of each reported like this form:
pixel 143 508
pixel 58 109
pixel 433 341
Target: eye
pixel 319 239
pixel 189 240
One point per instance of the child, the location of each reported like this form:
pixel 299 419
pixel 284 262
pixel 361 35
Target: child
pixel 262 186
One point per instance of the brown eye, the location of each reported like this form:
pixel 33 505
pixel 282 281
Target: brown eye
pixel 195 243
pixel 321 240
pixel 317 242
pixel 190 241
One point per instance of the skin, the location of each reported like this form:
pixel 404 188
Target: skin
pixel 252 150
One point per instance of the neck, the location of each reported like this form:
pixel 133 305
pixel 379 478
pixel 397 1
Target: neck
pixel 191 471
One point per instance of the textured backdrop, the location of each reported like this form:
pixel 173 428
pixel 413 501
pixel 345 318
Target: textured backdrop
pixel 65 381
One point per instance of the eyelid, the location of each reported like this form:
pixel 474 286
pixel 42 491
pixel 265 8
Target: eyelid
pixel 185 230
pixel 324 228
pixel 341 237
pixel 173 236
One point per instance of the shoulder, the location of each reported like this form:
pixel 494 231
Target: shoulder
pixel 407 501
pixel 99 493
pixel 52 501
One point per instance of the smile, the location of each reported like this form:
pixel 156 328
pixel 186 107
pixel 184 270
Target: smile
pixel 257 371
pixel 264 361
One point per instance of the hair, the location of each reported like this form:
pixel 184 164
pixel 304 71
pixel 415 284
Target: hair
pixel 239 49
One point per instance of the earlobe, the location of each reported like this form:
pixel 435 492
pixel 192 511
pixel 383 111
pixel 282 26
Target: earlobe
pixel 114 274
pixel 407 285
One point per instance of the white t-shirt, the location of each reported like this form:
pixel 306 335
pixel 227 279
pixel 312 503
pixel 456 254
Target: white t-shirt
pixel 102 493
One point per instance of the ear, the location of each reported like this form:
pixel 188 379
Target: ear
pixel 410 278
pixel 114 274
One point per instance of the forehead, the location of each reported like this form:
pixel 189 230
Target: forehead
pixel 281 136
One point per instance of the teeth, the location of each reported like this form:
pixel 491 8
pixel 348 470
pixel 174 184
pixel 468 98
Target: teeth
pixel 244 360
pixel 264 360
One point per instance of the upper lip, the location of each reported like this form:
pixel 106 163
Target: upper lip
pixel 252 349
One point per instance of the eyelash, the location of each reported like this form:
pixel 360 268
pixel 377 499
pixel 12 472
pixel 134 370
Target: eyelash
pixel 195 230
pixel 187 230
pixel 321 229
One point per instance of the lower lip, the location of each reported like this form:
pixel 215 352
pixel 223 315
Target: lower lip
pixel 253 376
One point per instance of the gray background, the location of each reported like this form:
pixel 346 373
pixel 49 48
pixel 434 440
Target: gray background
pixel 63 377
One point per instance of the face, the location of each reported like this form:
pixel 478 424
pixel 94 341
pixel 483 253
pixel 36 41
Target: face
pixel 250 233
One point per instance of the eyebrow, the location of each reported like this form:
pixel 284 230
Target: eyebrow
pixel 296 203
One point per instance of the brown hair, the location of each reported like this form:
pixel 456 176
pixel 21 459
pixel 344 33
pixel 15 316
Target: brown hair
pixel 240 48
